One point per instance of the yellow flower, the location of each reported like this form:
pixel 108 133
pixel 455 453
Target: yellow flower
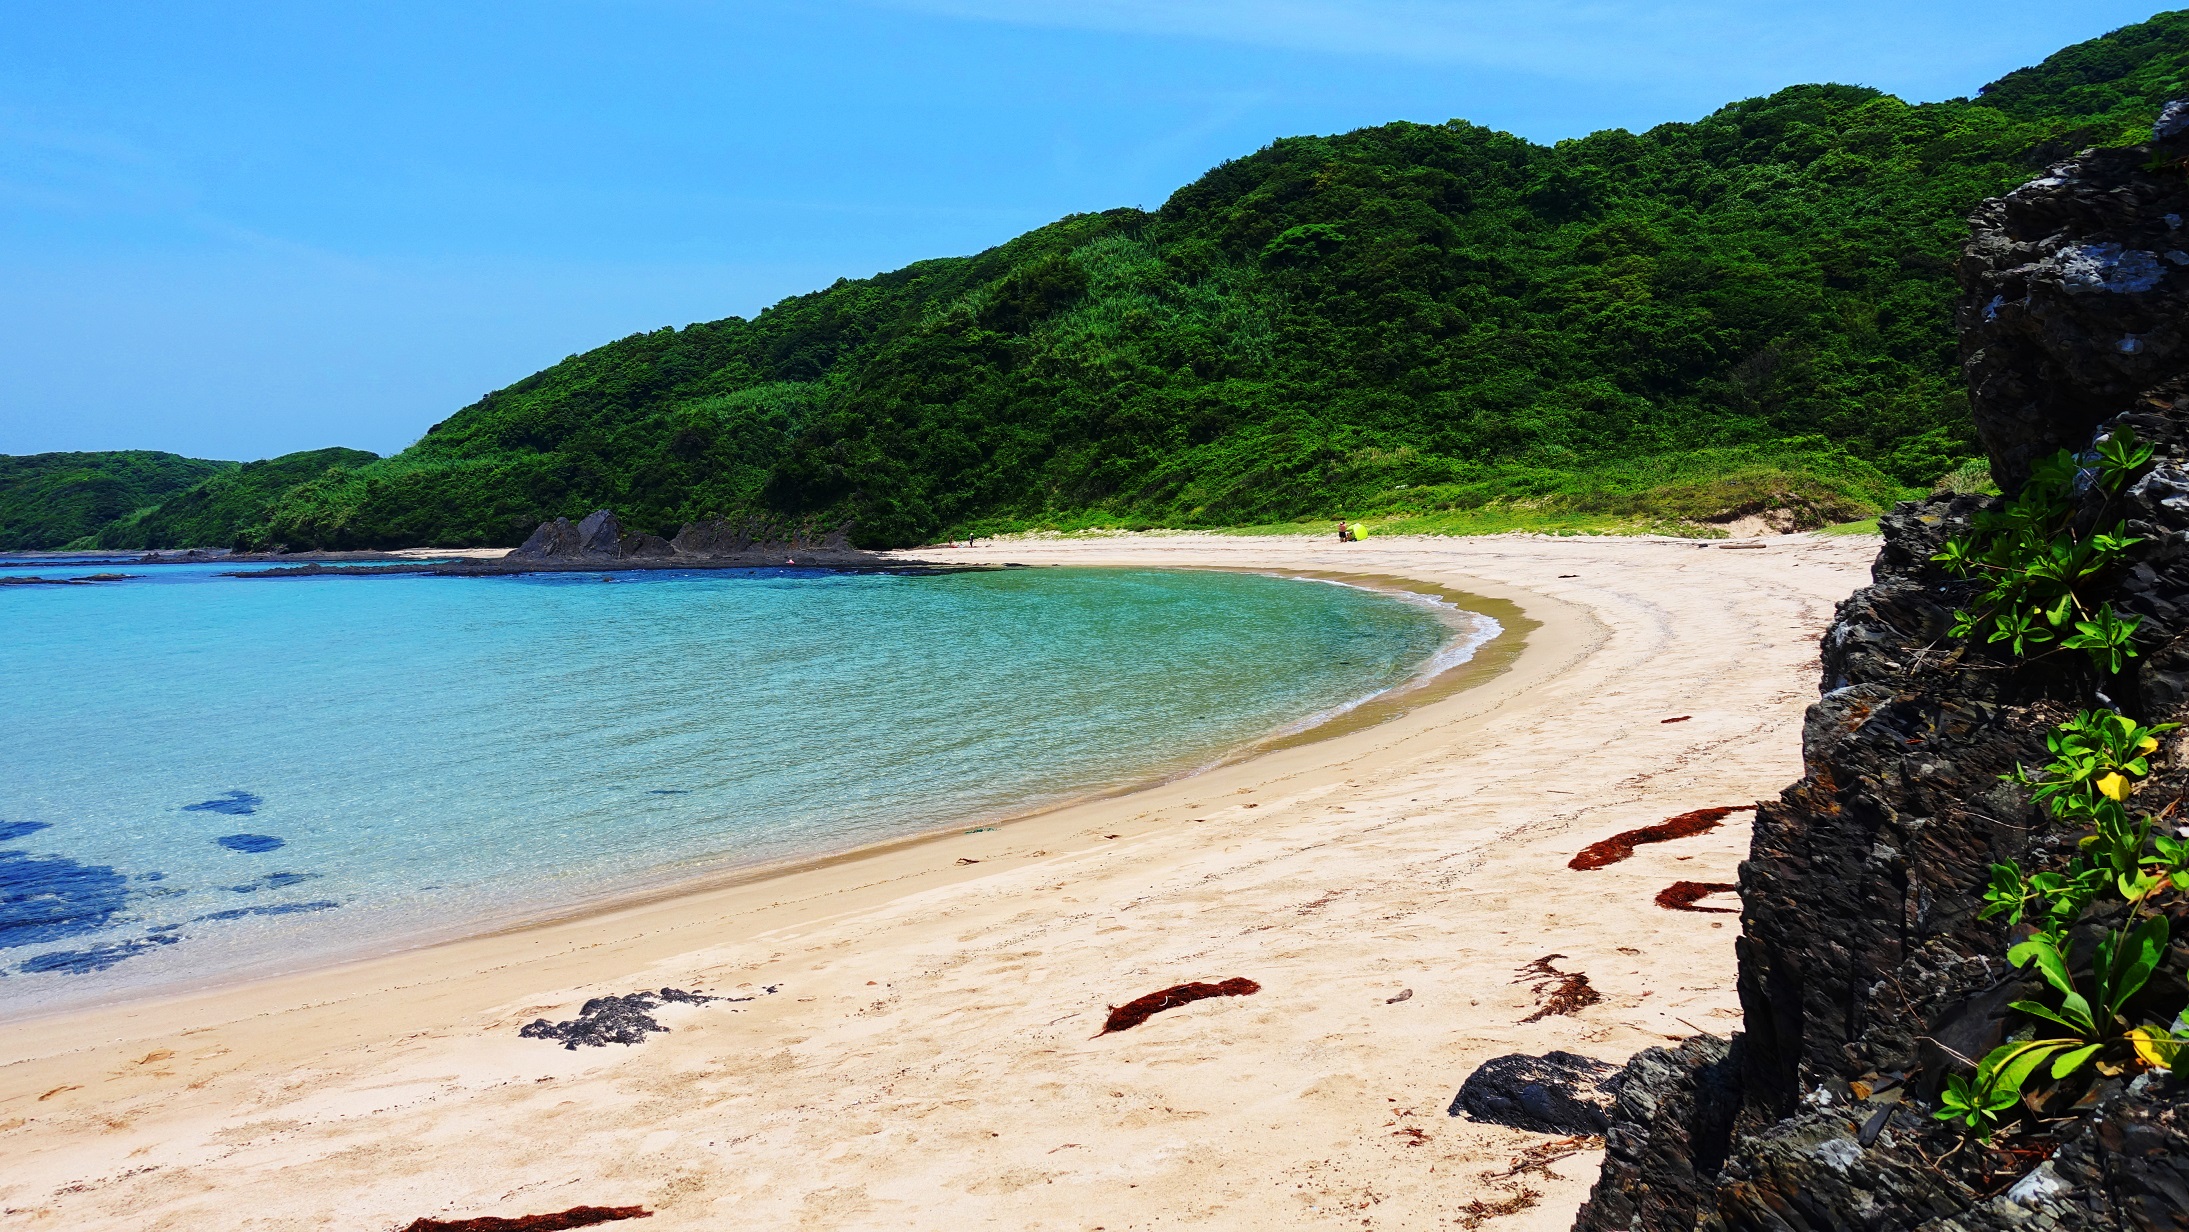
pixel 2156 1048
pixel 2148 744
pixel 2113 786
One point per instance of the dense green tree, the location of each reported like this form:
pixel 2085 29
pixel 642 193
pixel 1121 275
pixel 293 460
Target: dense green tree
pixel 49 500
pixel 227 509
pixel 1405 318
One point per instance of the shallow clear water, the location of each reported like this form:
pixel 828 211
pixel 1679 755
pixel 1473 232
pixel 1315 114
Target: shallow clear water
pixel 209 775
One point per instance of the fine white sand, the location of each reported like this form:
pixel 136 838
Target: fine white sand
pixel 928 1061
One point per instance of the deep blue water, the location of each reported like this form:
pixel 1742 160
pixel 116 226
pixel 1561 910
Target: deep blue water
pixel 211 775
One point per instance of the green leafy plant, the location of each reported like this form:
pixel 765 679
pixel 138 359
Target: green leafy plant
pixel 2098 757
pixel 2041 577
pixel 1467 330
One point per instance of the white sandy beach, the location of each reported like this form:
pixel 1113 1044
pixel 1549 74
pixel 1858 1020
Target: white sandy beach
pixel 930 1062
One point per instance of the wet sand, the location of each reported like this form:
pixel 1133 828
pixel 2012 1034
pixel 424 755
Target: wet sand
pixel 930 1059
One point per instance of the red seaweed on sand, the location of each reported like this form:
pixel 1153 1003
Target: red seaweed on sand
pixel 575 1217
pixel 1683 895
pixel 1140 1009
pixel 1619 846
pixel 1556 992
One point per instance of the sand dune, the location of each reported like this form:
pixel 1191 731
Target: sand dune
pixel 930 1059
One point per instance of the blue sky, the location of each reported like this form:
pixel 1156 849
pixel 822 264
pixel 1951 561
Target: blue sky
pixel 236 230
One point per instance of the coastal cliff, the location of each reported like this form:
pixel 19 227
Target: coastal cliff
pixel 1868 973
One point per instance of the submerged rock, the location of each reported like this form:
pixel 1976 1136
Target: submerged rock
pixel 232 803
pixel 52 897
pixel 98 957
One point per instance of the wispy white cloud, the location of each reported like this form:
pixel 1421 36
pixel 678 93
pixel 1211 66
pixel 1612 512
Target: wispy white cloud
pixel 1554 36
pixel 1711 44
pixel 54 166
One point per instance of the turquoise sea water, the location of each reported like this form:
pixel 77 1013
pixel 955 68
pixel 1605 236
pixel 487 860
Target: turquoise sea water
pixel 212 776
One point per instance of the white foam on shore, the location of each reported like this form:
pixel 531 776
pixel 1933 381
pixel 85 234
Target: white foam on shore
pixel 1471 631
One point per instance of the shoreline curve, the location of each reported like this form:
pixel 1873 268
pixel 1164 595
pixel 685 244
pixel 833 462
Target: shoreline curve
pixel 928 1006
pixel 1487 659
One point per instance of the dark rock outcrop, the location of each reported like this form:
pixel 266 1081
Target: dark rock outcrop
pixel 1670 1125
pixel 600 539
pixel 553 539
pixel 1556 1093
pixel 627 1019
pixel 2076 298
pixel 722 537
pixel 1865 974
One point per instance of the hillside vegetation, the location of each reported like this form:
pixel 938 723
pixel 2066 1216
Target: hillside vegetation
pixel 1438 325
pixel 48 500
pixel 228 509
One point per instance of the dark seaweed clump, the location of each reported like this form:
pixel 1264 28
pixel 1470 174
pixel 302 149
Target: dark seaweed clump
pixel 627 1019
pixel 575 1217
pixel 17 829
pixel 251 843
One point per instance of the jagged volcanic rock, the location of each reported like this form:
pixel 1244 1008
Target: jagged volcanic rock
pixel 1672 1120
pixel 600 538
pixel 2076 297
pixel 1863 967
pixel 556 538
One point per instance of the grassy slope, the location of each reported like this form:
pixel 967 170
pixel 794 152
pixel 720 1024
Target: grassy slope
pixel 48 500
pixel 1435 325
pixel 225 508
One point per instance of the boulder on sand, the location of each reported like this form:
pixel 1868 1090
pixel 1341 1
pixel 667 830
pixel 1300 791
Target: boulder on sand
pixel 552 539
pixel 1556 1093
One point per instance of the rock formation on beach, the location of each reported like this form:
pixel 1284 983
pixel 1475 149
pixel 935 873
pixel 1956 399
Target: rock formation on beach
pixel 1867 977
pixel 600 539
pixel 1557 1093
pixel 598 543
pixel 2076 297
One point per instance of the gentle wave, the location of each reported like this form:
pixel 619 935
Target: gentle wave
pixel 1474 631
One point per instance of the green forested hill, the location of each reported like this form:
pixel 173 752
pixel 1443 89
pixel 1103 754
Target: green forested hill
pixel 1409 319
pixel 226 508
pixel 49 499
